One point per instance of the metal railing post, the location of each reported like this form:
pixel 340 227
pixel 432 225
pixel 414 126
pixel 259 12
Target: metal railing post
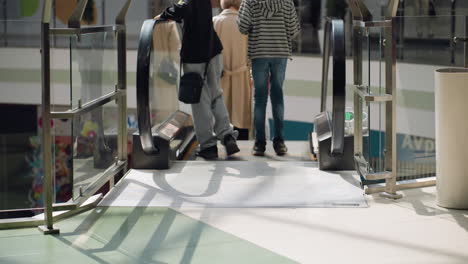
pixel 401 37
pixel 47 159
pixel 390 106
pixel 359 13
pixel 463 39
pixel 452 31
pixel 122 81
pixel 362 94
pixel 390 112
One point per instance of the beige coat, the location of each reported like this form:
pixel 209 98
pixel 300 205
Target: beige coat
pixel 166 43
pixel 236 85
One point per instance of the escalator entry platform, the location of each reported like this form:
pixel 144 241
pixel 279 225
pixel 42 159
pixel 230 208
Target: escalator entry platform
pixel 297 151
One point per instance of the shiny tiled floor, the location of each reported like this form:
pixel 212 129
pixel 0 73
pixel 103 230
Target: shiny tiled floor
pixel 131 235
pixel 411 230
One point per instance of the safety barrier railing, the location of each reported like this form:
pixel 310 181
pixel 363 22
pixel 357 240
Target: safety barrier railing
pixel 88 102
pixel 362 23
pixel 405 153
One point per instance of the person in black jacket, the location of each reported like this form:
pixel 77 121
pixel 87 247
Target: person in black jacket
pixel 201 45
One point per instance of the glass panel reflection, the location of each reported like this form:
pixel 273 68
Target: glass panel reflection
pixel 20 130
pixel 94 145
pixel 420 53
pixel 164 72
pixel 93 66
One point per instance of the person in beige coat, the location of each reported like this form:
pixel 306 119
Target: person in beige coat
pixel 237 88
pixel 166 45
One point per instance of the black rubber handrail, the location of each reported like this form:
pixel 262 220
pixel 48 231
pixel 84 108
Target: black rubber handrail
pixel 145 49
pixel 335 42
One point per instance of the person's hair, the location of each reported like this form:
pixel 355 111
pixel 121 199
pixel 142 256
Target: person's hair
pixel 225 4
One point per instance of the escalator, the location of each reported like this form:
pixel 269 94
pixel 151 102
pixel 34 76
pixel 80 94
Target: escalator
pixel 333 148
pixel 159 142
pixel 155 146
pixel 167 173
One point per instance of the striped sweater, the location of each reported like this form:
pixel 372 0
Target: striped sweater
pixel 271 26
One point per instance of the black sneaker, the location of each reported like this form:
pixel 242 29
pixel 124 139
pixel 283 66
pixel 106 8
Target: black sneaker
pixel 209 153
pixel 230 144
pixel 279 146
pixel 259 148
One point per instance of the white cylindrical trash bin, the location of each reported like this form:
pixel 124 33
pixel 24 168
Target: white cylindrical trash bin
pixel 451 111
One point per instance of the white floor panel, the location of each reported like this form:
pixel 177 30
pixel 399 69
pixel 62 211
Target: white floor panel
pixel 387 232
pixel 239 184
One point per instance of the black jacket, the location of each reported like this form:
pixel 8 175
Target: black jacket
pixel 200 42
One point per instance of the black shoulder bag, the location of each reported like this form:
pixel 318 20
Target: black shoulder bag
pixel 191 84
pixel 190 87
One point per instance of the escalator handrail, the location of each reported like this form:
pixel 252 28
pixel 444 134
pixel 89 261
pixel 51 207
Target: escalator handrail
pixel 334 43
pixel 145 49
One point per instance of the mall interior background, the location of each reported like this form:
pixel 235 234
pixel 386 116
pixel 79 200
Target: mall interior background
pixel 424 44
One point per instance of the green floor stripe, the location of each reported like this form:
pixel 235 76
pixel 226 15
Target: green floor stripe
pixel 132 235
pixel 57 76
pixel 302 88
pixel 419 100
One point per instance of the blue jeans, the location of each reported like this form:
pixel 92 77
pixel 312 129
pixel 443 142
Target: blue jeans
pixel 262 70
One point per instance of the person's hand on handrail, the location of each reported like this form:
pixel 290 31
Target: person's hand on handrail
pixel 159 18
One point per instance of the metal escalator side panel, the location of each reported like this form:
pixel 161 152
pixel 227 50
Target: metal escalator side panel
pixel 339 87
pixel 323 125
pixel 145 46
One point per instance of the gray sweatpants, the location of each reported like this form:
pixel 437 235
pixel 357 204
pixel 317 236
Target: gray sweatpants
pixel 210 116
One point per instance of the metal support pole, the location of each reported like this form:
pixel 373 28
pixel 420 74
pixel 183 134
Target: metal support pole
pixel 357 125
pixel 390 112
pixel 47 159
pixel 122 81
pixel 357 55
pixel 463 39
pixel 401 38
pixel 452 31
pixel 357 61
pixel 122 102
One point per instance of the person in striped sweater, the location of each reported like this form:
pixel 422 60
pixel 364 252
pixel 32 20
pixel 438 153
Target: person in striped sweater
pixel 271 26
